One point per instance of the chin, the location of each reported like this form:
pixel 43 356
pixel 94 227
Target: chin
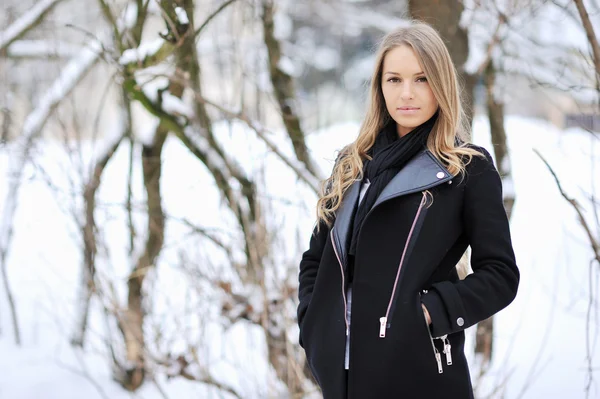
pixel 410 122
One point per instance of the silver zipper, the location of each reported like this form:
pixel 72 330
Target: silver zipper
pixel 343 284
pixel 383 320
pixel 447 349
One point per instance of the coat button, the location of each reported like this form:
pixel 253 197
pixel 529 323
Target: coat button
pixel 440 175
pixel 460 321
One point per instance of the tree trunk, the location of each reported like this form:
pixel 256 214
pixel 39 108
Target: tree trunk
pixel 133 319
pixel 283 85
pixel 496 119
pixel 484 338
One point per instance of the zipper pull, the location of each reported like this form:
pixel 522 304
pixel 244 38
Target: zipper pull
pixel 438 358
pixel 448 353
pixel 382 323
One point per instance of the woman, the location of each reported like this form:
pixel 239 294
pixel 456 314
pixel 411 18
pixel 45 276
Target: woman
pixel 382 310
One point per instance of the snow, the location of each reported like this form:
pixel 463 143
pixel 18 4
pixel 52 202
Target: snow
pixel 41 48
pixel 548 317
pixel 286 65
pixel 128 17
pixel 21 25
pixel 145 132
pixel 176 106
pixel 139 54
pixel 182 16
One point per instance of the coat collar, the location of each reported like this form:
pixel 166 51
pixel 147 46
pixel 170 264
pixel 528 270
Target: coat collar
pixel 422 172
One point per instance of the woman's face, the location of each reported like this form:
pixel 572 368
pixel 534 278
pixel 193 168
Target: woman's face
pixel 408 97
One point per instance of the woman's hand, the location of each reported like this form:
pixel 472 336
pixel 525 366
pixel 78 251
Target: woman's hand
pixel 427 317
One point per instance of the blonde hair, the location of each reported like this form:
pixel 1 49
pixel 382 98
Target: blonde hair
pixel 450 124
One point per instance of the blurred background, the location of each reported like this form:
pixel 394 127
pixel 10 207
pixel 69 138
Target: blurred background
pixel 160 162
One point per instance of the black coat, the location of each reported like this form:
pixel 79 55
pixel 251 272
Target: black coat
pixel 409 362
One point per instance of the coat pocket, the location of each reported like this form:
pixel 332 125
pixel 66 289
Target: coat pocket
pixel 447 347
pixel 302 322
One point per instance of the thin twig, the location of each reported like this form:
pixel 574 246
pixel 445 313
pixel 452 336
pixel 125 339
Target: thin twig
pixel 212 16
pixel 593 242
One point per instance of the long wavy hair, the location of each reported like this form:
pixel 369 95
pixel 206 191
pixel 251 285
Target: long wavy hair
pixel 450 125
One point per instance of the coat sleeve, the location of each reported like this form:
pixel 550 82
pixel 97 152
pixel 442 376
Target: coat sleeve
pixel 455 306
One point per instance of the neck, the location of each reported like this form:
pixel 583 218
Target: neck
pixel 402 131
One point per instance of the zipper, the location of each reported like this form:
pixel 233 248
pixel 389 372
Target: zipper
pixel 343 284
pixel 383 324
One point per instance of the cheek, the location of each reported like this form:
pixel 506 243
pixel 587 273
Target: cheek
pixel 386 95
pixel 430 98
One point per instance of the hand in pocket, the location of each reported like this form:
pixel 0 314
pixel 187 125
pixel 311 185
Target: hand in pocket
pixel 427 317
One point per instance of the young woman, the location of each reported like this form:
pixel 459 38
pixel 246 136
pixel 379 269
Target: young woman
pixel 382 310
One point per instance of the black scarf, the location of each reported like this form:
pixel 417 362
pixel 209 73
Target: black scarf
pixel 389 154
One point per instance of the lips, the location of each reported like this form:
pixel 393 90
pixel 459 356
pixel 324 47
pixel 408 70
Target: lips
pixel 408 110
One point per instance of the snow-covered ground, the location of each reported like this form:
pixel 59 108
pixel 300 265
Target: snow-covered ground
pixel 540 338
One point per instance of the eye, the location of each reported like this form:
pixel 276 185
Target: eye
pixel 422 79
pixel 393 80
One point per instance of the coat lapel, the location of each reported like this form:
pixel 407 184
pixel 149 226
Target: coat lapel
pixel 343 218
pixel 422 172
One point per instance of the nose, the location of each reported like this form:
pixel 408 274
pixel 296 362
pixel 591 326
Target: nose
pixel 407 90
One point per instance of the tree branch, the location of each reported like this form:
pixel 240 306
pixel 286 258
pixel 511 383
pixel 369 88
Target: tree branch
pixel 28 21
pixel 212 16
pixel 592 39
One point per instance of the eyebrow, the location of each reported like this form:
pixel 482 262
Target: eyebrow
pixel 396 73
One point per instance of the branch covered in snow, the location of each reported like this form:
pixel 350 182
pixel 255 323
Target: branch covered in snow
pixel 146 55
pixel 27 21
pixel 182 17
pixel 41 49
pixel 152 53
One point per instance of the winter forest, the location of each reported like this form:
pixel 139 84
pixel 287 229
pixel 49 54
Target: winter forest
pixel 160 163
